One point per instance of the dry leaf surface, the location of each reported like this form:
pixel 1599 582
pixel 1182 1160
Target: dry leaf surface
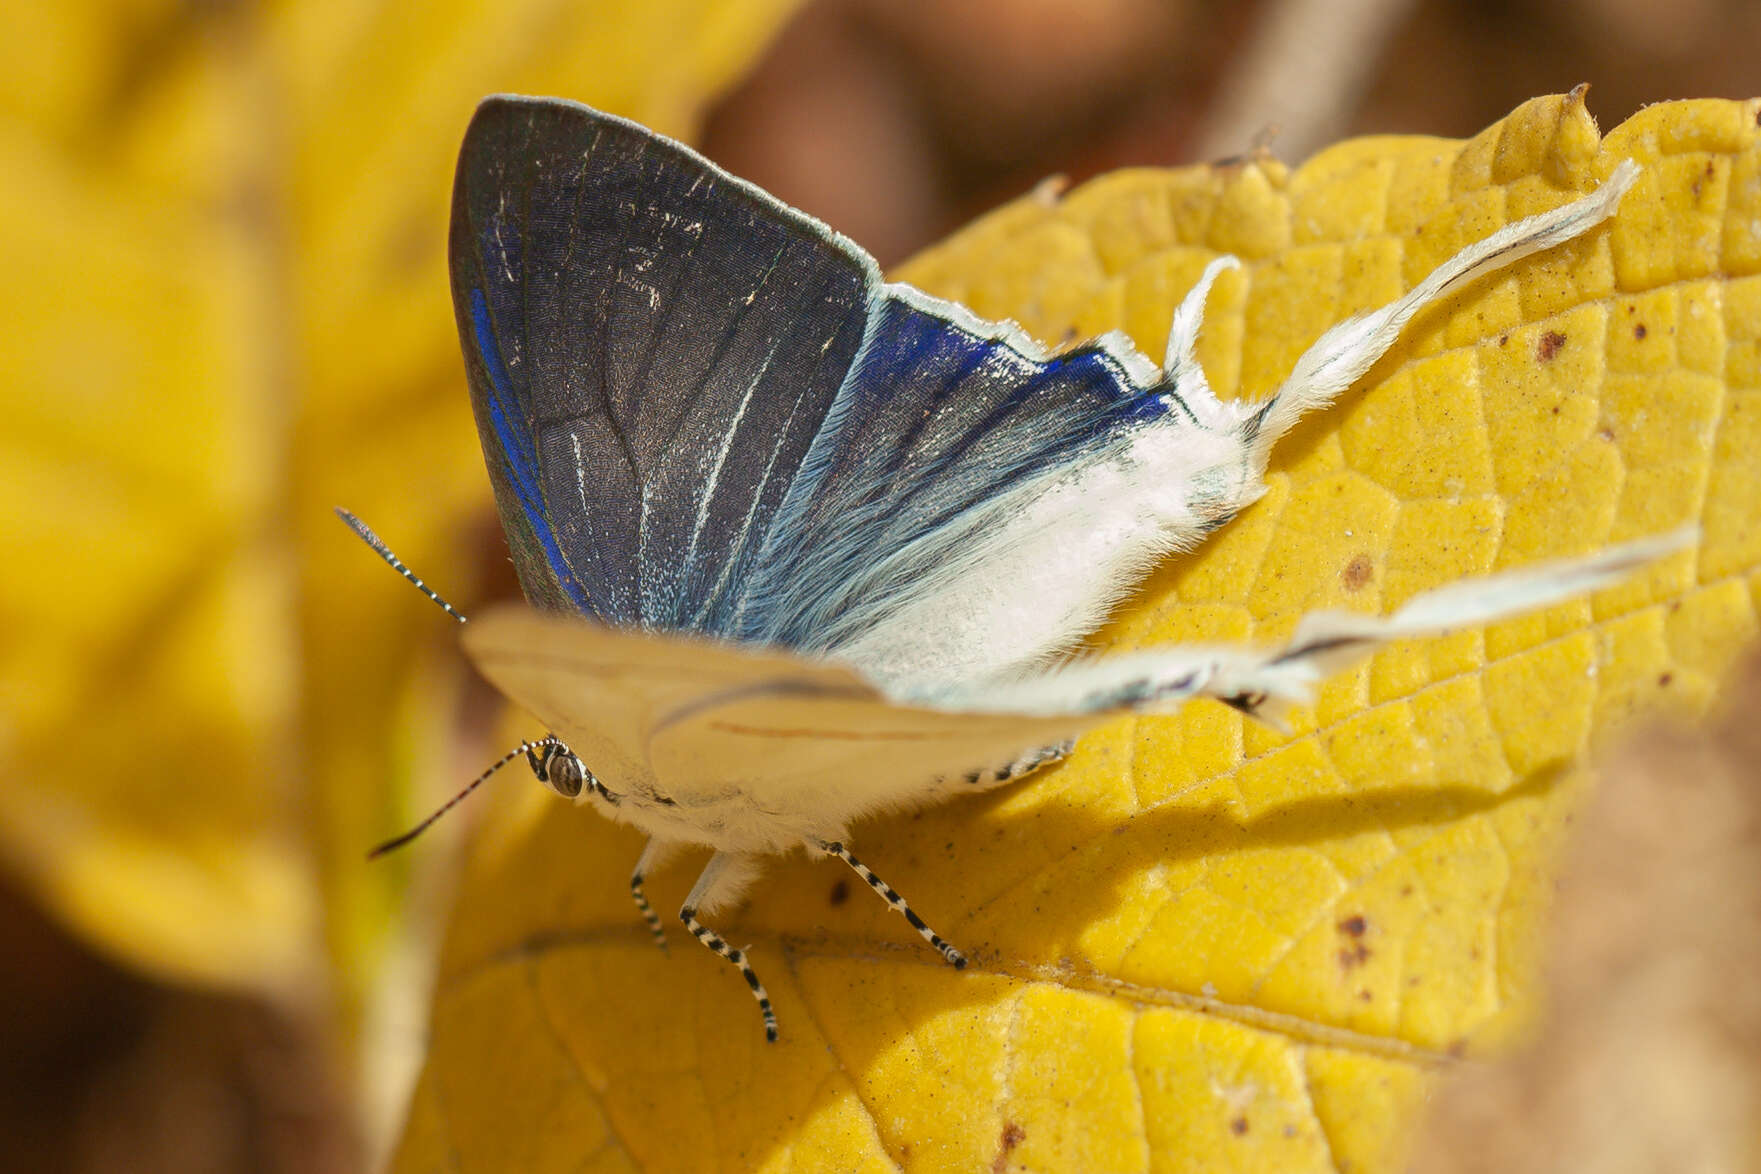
pixel 1199 944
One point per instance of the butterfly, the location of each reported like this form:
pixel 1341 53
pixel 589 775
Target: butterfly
pixel 801 545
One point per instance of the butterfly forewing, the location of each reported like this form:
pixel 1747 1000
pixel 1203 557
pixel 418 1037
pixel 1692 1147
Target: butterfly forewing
pixel 652 347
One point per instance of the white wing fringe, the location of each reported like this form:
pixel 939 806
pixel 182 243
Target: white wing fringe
pixel 1267 682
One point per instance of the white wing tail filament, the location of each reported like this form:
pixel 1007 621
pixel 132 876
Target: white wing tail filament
pixel 1265 683
pixel 1341 356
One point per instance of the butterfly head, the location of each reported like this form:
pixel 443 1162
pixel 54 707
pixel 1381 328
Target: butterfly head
pixel 557 767
pixel 555 764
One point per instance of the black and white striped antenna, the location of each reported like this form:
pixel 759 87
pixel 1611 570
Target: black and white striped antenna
pixel 365 533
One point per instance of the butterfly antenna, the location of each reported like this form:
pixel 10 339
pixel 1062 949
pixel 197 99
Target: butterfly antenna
pixel 400 841
pixel 366 535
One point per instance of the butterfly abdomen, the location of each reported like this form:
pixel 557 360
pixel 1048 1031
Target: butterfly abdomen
pixel 1007 772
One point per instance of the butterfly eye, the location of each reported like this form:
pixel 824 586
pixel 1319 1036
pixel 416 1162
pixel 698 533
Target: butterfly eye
pixel 558 769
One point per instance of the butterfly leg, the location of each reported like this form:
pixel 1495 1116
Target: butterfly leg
pixel 899 905
pixel 724 873
pixel 654 854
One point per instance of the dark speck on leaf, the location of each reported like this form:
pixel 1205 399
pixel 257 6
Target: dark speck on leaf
pixel 840 892
pixel 1238 1126
pixel 1354 952
pixel 1638 330
pixel 1551 343
pixel 1012 1137
pixel 1357 572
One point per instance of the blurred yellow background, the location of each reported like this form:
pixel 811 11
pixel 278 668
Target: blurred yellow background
pixel 227 312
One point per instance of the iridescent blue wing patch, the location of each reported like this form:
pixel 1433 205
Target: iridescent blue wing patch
pixel 937 422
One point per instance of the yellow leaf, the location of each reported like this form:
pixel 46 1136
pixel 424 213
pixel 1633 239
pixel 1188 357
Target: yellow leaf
pixel 227 227
pixel 1646 1029
pixel 1199 944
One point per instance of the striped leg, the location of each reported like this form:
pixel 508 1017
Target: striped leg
pixel 898 903
pixel 717 945
pixel 652 854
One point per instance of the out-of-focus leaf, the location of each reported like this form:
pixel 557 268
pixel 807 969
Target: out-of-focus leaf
pixel 1650 1058
pixel 225 230
pixel 1198 944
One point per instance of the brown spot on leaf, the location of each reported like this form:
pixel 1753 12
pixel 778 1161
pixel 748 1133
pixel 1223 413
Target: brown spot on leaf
pixel 1357 572
pixel 1238 1126
pixel 1639 330
pixel 1012 1137
pixel 1354 952
pixel 1550 345
pixel 840 892
pixel 1606 434
pixel 1664 679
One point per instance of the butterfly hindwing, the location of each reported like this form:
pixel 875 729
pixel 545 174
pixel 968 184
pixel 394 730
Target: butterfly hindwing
pixel 721 731
pixel 943 416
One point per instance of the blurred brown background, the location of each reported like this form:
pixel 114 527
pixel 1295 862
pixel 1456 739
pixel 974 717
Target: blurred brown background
pixel 895 120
